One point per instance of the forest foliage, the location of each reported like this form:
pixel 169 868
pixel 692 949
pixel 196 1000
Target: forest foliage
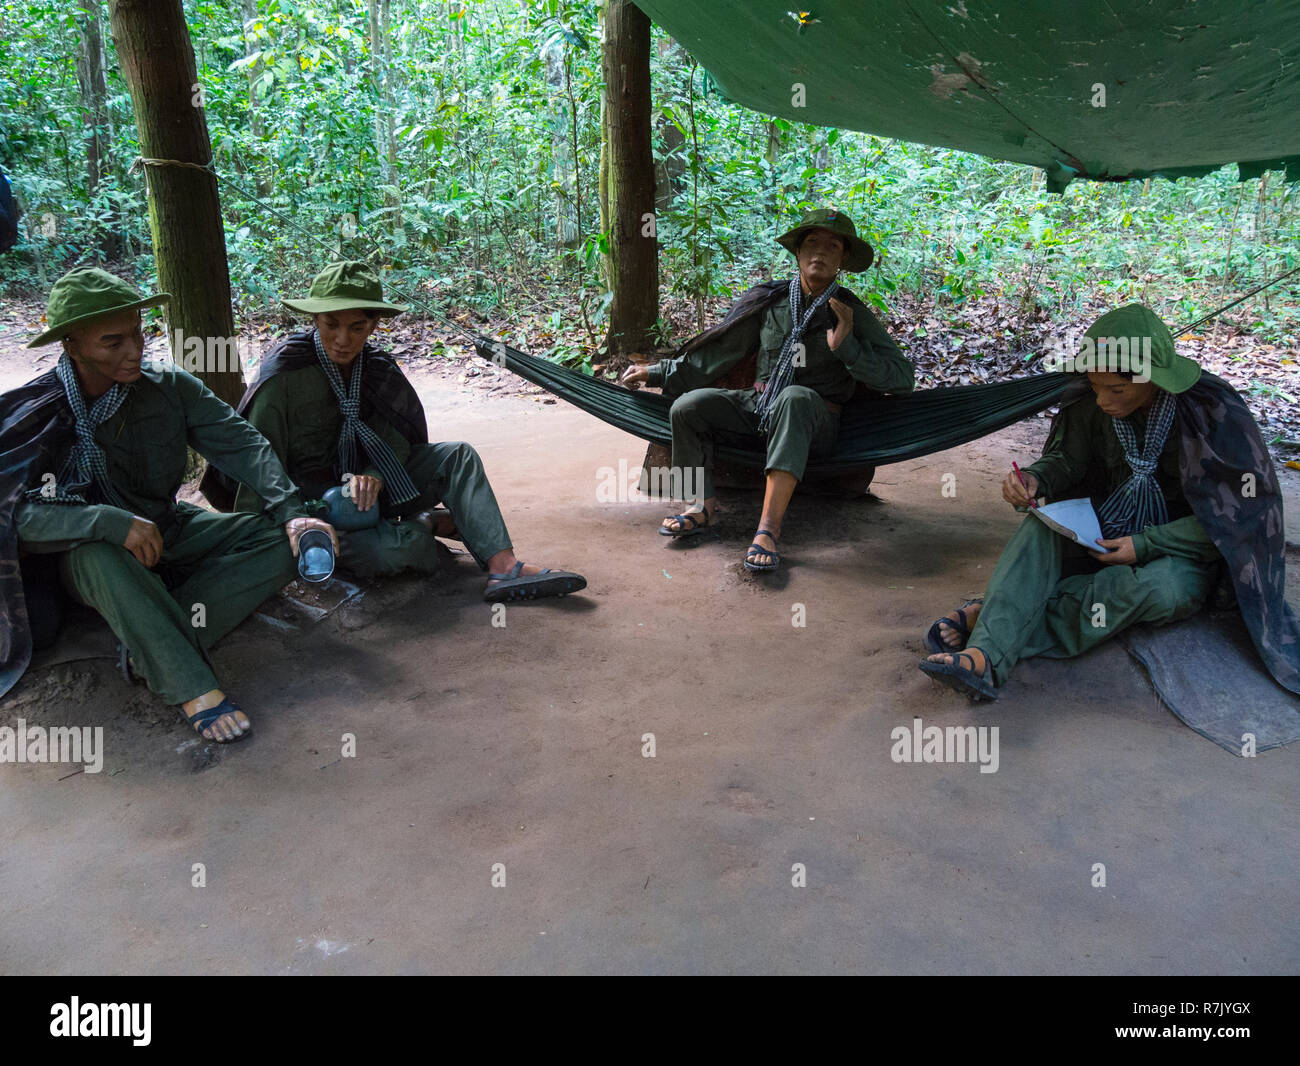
pixel 458 143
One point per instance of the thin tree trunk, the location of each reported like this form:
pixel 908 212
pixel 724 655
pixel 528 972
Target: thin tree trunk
pixel 94 94
pixel 633 237
pixel 377 80
pixel 602 173
pixel 390 135
pixel 1261 217
pixel 695 205
pixel 573 132
pixel 157 57
pixel 384 150
pixel 603 190
pixel 1227 259
pixel 560 177
pixel 248 12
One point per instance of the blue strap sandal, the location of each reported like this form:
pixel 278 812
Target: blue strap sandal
pixel 683 530
pixel 203 719
pixel 756 549
pixel 516 586
pixel 934 638
pixel 979 687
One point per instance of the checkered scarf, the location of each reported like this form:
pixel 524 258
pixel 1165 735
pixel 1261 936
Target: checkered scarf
pixel 397 482
pixel 783 374
pixel 1139 502
pixel 86 464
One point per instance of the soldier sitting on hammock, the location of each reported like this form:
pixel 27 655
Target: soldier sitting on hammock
pixel 1181 480
pixel 340 412
pixel 815 342
pixel 94 452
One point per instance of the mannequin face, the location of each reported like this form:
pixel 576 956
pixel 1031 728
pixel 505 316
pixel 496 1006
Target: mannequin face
pixel 344 333
pixel 1119 397
pixel 820 256
pixel 107 351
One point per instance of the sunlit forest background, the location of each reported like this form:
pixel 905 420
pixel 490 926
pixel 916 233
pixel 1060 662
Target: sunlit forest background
pixel 459 143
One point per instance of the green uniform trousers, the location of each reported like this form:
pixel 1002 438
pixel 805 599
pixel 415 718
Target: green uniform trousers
pixel 214 571
pixel 801 425
pixel 1038 603
pixel 452 474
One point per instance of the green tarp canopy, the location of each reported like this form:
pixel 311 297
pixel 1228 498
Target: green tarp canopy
pixel 1189 85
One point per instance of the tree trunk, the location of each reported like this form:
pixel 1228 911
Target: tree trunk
pixel 189 244
pixel 670 171
pixel 633 240
pixel 94 112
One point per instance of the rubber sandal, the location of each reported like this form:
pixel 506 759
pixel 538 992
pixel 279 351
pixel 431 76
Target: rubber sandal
pixel 757 549
pixel 126 665
pixel 513 586
pixel 203 719
pixel 958 678
pixel 683 530
pixel 934 639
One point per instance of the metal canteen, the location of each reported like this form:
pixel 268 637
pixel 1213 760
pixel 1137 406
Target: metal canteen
pixel 343 513
pixel 315 556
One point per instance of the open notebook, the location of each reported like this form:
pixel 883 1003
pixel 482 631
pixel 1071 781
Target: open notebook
pixel 1074 519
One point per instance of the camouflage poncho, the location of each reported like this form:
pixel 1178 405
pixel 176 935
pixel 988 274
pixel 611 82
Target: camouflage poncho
pixel 384 388
pixel 36 430
pixel 1228 478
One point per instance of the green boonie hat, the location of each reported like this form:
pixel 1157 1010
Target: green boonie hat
pixel 1167 369
pixel 859 255
pixel 345 286
pixel 85 294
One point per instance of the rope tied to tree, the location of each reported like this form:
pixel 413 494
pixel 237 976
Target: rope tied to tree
pixel 144 161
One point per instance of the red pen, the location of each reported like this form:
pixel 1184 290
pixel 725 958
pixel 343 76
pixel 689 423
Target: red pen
pixel 1014 466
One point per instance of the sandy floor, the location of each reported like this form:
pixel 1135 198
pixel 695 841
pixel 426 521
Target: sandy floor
pixel 523 746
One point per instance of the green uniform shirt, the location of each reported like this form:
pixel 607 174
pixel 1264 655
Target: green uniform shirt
pixel 1084 457
pixel 868 354
pixel 299 414
pixel 144 444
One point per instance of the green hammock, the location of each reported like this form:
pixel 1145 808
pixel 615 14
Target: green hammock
pixel 875 431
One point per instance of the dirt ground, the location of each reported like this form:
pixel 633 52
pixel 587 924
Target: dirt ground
pixel 523 746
